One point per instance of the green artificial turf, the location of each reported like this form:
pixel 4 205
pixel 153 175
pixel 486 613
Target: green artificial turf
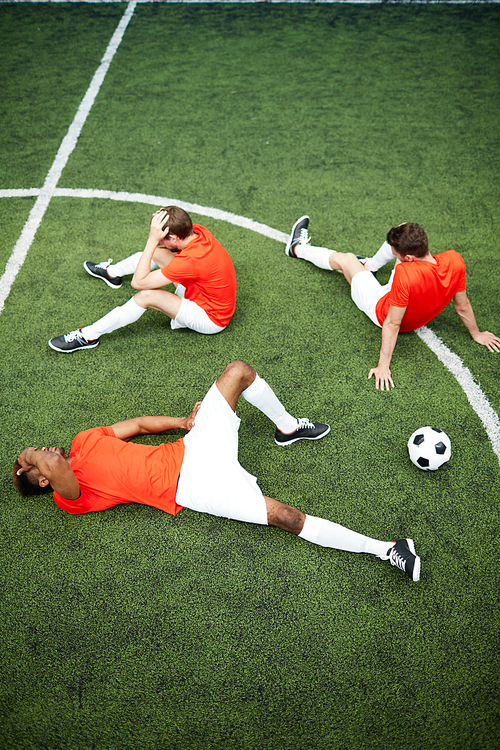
pixel 131 629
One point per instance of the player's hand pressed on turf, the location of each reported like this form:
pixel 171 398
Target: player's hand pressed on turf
pixel 489 340
pixel 382 377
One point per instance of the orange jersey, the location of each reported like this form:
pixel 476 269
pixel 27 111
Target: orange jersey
pixel 424 288
pixel 111 472
pixel 206 270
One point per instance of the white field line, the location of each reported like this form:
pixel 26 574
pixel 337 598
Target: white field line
pixel 463 375
pixel 37 213
pixel 155 200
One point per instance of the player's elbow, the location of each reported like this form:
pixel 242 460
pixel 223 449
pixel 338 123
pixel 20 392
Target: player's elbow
pixel 462 309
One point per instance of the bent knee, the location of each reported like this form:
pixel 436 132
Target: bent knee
pixel 239 370
pixel 143 298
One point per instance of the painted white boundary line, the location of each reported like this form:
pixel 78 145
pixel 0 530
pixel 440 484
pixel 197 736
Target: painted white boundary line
pixel 154 200
pixel 463 375
pixel 37 213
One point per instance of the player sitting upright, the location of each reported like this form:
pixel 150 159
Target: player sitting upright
pixel 420 287
pixel 178 252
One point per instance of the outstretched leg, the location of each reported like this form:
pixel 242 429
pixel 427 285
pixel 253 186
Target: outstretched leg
pixel 328 534
pixel 330 260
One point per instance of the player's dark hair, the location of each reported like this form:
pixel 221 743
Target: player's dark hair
pixel 408 239
pixel 25 484
pixel 179 222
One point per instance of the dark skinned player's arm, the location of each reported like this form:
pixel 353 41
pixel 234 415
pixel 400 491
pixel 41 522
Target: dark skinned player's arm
pixel 153 425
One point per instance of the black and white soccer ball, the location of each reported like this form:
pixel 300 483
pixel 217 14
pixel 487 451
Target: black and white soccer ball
pixel 429 448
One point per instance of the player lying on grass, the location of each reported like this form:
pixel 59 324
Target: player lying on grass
pixel 420 286
pixel 177 252
pixel 200 471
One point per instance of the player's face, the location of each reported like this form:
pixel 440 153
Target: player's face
pixel 170 243
pixel 400 258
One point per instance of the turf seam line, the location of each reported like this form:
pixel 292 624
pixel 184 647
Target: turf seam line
pixel 463 375
pixel 23 244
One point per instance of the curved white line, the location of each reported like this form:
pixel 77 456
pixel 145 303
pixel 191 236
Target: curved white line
pixel 463 375
pixel 195 208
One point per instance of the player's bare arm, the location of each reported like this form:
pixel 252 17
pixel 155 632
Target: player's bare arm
pixel 130 428
pixel 143 277
pixel 466 313
pixel 390 331
pixel 52 468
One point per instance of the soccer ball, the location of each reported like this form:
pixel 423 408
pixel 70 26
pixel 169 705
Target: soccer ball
pixel 429 448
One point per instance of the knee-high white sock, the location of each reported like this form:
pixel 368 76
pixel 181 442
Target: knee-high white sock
pixel 262 396
pixel 382 256
pixel 319 256
pixel 117 318
pixel 329 534
pixel 127 266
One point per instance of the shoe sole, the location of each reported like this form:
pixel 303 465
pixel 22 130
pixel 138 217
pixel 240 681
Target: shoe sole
pixel 294 440
pixel 287 248
pixel 71 351
pixel 416 565
pixel 97 276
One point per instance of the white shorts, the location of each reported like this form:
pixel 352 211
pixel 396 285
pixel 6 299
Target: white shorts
pixel 192 316
pixel 366 292
pixel 211 479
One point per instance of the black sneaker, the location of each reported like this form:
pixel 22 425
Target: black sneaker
pixel 363 261
pixel 72 342
pixel 298 235
pixel 99 271
pixel 306 430
pixel 403 556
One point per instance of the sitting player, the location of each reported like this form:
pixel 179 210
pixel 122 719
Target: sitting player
pixel 178 252
pixel 420 287
pixel 200 471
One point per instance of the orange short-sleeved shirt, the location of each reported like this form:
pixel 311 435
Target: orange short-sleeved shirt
pixel 424 289
pixel 205 268
pixel 111 472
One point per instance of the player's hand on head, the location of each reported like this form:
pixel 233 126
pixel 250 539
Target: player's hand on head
pixel 25 466
pixel 159 224
pixel 489 340
pixel 383 379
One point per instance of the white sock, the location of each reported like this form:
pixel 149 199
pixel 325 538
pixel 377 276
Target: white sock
pixel 127 266
pixel 319 256
pixel 261 395
pixel 382 256
pixel 329 534
pixel 117 318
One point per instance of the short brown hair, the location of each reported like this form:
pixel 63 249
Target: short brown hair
pixel 179 222
pixel 408 239
pixel 24 484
